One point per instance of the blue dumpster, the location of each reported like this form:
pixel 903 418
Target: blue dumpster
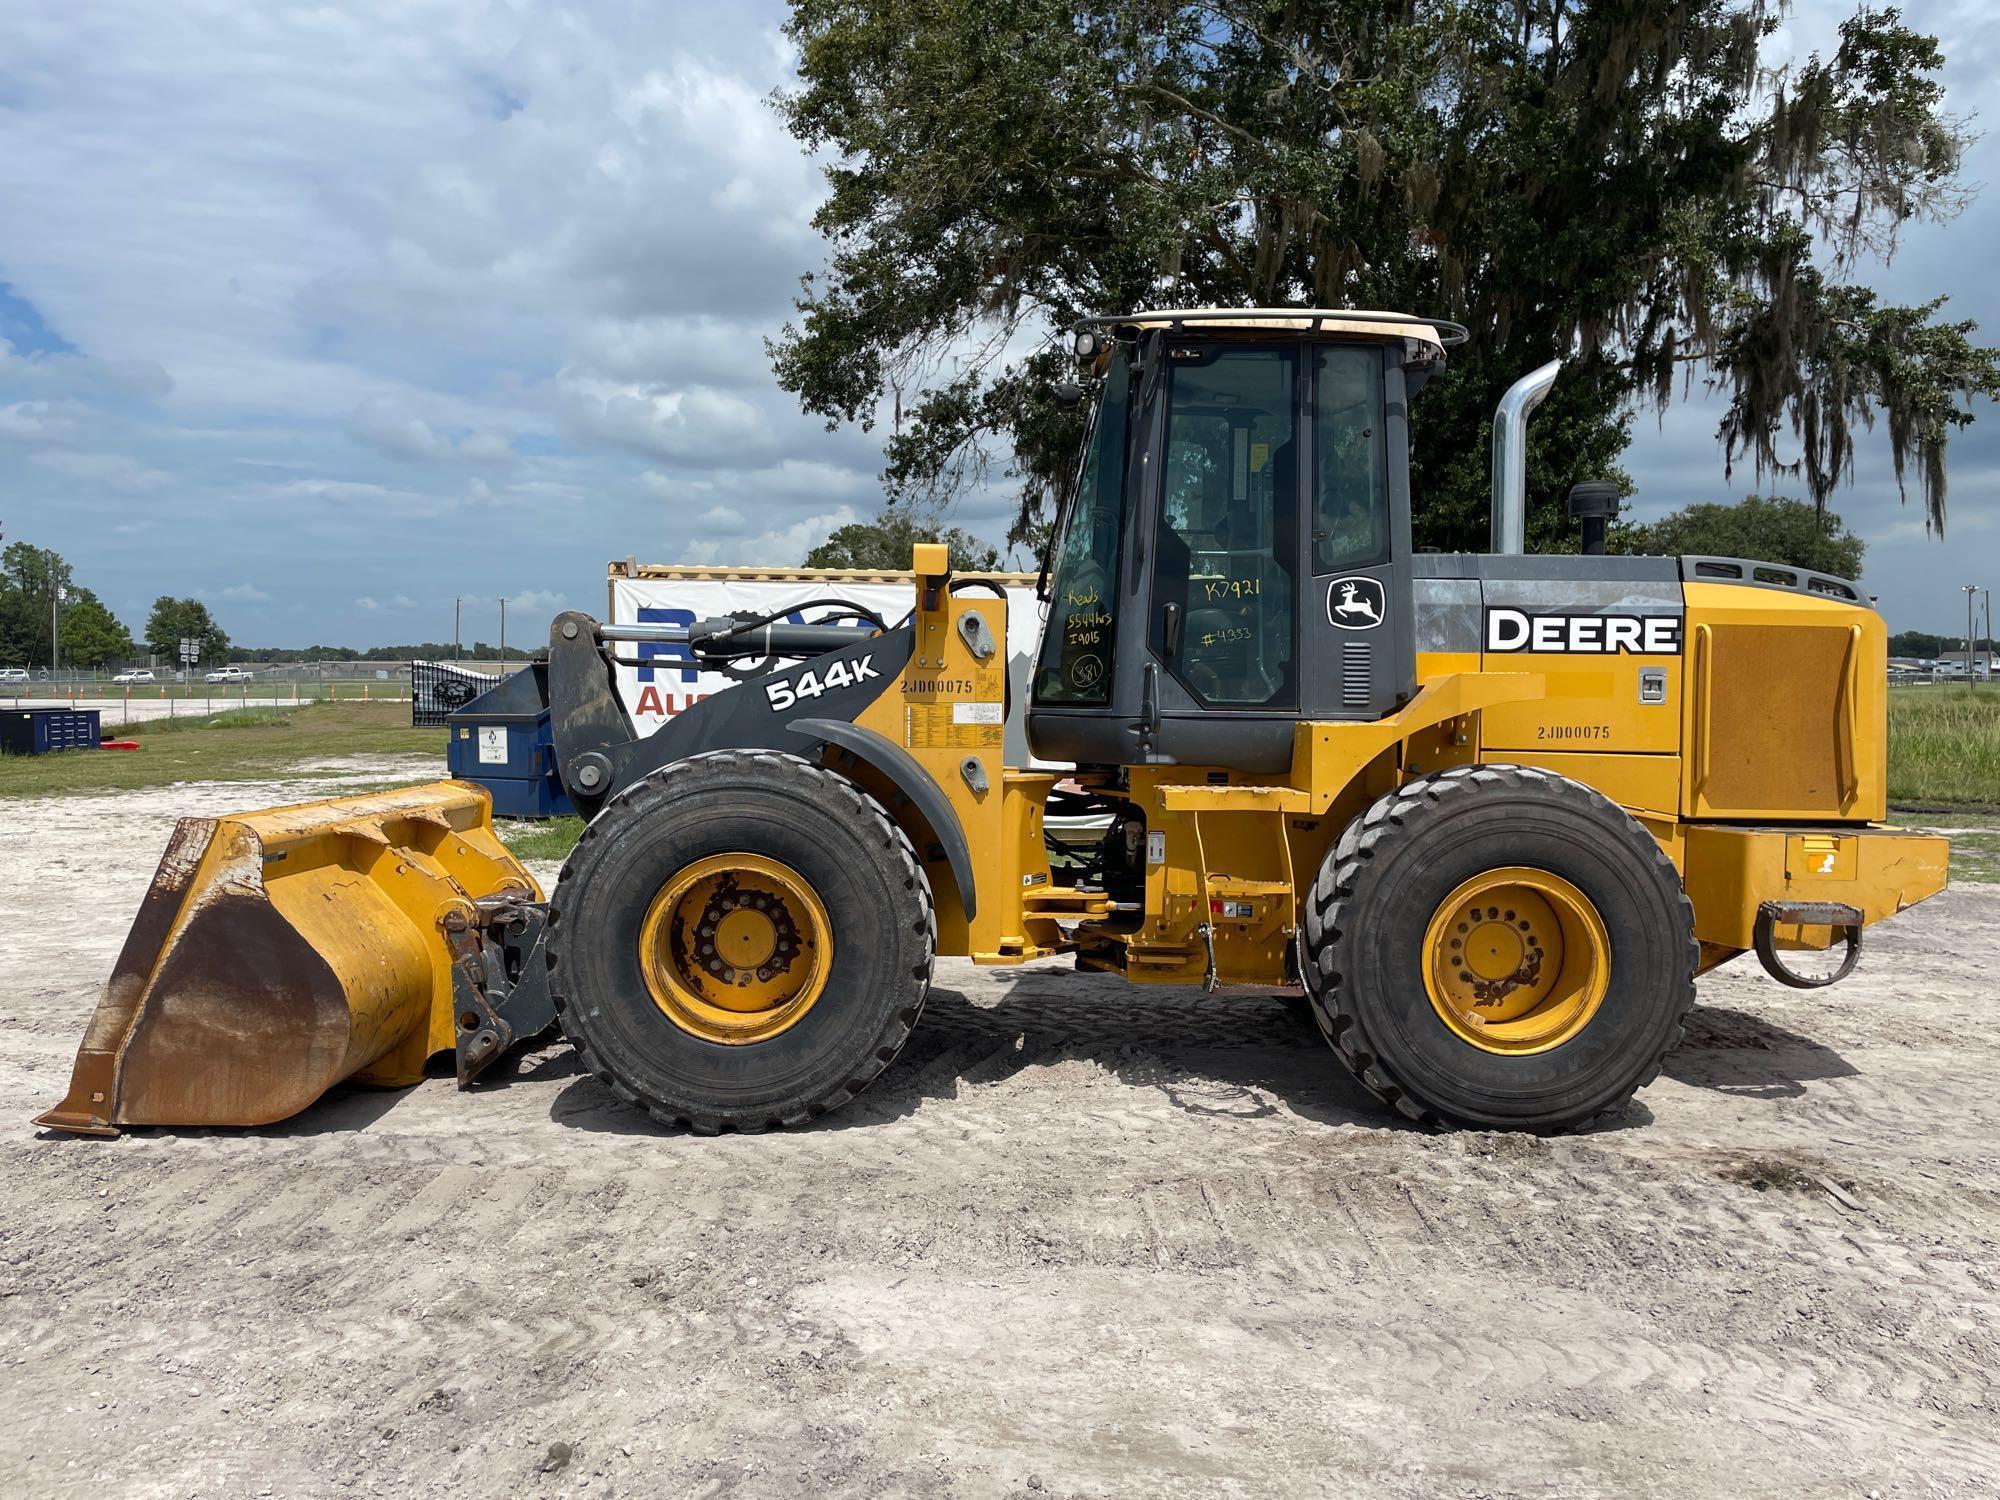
pixel 501 740
pixel 37 731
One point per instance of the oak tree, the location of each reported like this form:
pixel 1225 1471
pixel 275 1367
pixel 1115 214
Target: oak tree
pixel 1769 530
pixel 1641 188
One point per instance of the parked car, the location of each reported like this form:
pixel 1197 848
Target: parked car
pixel 13 674
pixel 228 674
pixel 137 674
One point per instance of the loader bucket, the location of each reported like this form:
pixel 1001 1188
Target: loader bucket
pixel 280 952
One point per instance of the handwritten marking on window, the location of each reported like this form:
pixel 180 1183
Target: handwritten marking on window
pixel 1085 629
pixel 1231 588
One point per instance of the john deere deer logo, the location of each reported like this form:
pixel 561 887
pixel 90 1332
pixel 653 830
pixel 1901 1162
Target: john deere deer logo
pixel 1354 603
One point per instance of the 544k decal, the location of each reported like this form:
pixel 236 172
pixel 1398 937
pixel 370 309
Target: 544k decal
pixel 785 692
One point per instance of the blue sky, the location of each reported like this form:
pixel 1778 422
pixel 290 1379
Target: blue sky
pixel 328 315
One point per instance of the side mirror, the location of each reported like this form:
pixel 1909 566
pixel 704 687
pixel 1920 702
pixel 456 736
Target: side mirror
pixel 1068 393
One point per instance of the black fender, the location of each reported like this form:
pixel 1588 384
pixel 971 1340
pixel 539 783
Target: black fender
pixel 914 782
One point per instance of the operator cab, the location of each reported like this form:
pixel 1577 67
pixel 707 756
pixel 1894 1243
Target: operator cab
pixel 1235 555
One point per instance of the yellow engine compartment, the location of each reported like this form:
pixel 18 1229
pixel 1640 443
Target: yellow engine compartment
pixel 1764 754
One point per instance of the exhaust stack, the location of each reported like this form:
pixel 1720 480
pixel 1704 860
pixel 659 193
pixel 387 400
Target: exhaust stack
pixel 1510 457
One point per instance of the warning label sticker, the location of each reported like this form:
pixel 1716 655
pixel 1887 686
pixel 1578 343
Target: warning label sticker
pixel 937 726
pixel 955 712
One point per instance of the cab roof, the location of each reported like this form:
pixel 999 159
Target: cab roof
pixel 1438 333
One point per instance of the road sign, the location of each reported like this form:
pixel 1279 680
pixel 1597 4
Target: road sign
pixel 190 650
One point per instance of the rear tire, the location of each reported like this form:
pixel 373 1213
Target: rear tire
pixel 848 867
pixel 1383 906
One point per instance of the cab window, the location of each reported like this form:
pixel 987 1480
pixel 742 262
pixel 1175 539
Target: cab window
pixel 1350 470
pixel 1075 662
pixel 1223 590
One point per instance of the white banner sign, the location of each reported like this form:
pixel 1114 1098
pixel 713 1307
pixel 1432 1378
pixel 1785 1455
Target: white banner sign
pixel 671 679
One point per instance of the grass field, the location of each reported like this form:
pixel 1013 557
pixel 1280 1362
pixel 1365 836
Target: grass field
pixel 551 840
pixel 236 746
pixel 1975 844
pixel 1944 746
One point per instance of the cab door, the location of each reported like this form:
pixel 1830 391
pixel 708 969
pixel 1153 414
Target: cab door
pixel 1222 626
pixel 1236 556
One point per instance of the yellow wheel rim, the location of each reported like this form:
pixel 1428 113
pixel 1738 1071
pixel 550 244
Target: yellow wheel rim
pixel 735 948
pixel 1516 960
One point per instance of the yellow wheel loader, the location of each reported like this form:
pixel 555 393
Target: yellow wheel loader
pixel 1492 813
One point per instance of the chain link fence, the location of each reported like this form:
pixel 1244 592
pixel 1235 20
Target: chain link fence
pixel 286 681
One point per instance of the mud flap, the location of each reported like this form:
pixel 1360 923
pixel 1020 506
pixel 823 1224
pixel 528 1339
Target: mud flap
pixel 278 953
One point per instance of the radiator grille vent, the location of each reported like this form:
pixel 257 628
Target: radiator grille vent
pixel 1763 675
pixel 1356 674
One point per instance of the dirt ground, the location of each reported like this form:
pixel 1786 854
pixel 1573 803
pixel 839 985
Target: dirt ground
pixel 1078 1240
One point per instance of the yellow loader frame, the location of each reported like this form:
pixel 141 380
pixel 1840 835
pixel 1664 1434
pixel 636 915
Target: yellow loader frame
pixel 281 952
pixel 1223 844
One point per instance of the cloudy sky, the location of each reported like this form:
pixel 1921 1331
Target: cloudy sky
pixel 330 314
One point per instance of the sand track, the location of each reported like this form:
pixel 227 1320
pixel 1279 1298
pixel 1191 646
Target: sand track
pixel 1078 1239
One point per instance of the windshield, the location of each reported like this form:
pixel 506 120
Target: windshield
pixel 1075 663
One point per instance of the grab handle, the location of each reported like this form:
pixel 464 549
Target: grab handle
pixel 1704 648
pixel 1845 711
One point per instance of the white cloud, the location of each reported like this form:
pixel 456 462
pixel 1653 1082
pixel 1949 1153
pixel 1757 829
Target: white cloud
pixel 424 288
pixel 781 547
pixel 69 374
pixel 385 243
pixel 42 421
pixel 246 593
pixel 343 491
pixel 699 426
pixel 115 471
pixel 696 350
pixel 384 424
pixel 539 601
pixel 798 476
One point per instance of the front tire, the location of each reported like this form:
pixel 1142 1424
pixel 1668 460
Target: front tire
pixel 742 940
pixel 1498 947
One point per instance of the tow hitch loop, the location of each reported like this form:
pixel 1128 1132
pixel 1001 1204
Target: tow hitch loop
pixel 1845 919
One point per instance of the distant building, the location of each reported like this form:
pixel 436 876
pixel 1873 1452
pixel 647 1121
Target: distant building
pixel 1953 664
pixel 1945 668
